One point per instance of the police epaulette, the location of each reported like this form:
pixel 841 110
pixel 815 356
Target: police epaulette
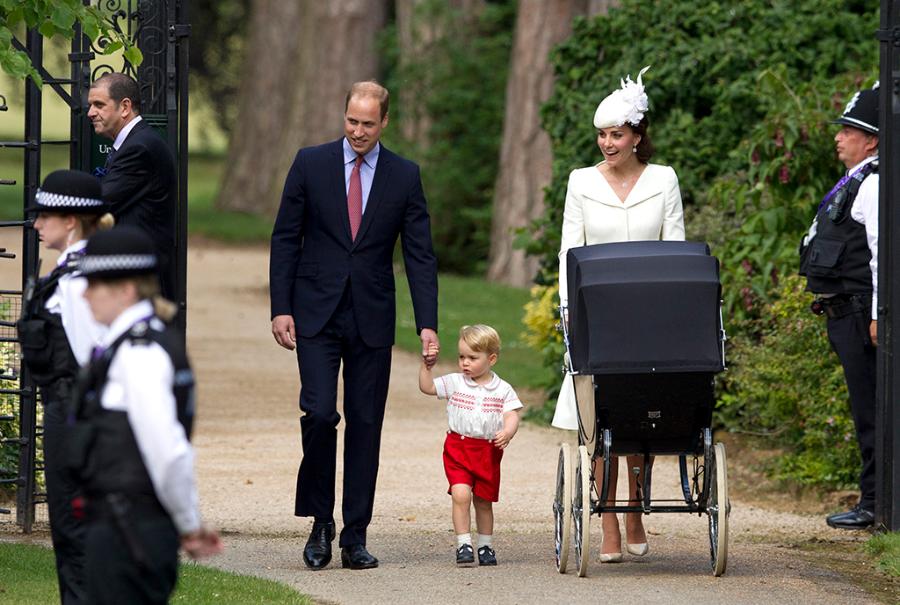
pixel 140 333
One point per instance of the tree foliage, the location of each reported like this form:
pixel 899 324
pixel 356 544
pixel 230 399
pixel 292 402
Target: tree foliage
pixel 217 51
pixel 54 18
pixel 460 78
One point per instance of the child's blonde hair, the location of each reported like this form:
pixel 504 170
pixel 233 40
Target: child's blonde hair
pixel 481 338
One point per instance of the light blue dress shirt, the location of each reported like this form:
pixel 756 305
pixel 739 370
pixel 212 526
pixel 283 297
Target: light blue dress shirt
pixel 366 170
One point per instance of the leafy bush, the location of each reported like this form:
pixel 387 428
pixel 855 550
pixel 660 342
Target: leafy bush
pixel 786 389
pixel 459 83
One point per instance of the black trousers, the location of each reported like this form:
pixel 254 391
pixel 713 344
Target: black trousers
pixel 849 337
pixel 366 375
pixel 114 576
pixel 66 531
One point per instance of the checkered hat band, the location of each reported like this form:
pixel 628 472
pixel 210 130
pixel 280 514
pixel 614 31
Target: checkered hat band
pixel 116 262
pixel 57 200
pixel 860 123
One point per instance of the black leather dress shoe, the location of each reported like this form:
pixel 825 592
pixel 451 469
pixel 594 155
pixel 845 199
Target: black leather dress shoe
pixel 356 556
pixel 317 553
pixel 855 518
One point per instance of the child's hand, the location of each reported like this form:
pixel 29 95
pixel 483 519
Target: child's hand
pixel 502 438
pixel 430 357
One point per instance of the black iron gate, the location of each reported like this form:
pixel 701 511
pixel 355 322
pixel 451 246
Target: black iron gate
pixel 159 29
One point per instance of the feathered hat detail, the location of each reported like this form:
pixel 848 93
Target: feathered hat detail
pixel 627 104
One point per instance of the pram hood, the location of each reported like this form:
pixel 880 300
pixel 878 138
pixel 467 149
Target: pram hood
pixel 644 307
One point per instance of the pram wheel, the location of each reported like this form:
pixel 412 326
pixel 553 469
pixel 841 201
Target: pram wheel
pixel 581 511
pixel 562 506
pixel 718 508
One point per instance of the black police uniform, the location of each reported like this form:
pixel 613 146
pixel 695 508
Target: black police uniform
pixel 47 353
pixel 128 446
pixel 133 544
pixel 836 263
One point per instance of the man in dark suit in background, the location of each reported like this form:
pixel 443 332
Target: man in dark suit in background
pixel 139 180
pixel 332 291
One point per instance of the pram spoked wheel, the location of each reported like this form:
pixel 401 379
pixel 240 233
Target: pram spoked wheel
pixel 562 506
pixel 718 507
pixel 581 510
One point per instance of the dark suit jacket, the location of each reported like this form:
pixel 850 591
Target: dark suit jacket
pixel 141 187
pixel 313 257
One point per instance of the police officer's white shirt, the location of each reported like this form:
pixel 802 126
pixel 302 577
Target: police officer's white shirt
pixel 140 384
pixel 865 212
pixel 82 330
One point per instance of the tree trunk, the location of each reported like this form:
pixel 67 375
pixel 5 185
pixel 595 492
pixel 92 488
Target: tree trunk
pixel 302 57
pixel 525 156
pixel 416 33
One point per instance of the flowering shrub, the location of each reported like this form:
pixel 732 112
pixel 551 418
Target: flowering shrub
pixel 786 389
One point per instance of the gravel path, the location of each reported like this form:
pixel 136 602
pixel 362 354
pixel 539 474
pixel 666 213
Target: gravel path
pixel 247 440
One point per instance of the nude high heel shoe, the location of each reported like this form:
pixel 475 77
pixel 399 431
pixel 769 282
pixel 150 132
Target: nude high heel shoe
pixel 638 550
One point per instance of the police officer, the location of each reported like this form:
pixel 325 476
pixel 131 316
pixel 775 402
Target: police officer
pixel 56 334
pixel 132 422
pixel 839 258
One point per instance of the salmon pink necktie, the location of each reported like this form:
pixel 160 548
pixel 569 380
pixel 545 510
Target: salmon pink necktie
pixel 354 199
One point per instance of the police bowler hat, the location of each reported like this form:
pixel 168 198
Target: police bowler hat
pixel 117 253
pixel 862 111
pixel 69 192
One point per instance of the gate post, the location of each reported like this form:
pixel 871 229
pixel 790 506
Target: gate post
pixel 887 432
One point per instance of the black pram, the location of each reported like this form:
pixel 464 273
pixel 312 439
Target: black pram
pixel 644 340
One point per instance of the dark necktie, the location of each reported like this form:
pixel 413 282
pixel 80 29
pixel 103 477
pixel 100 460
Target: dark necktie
pixel 109 157
pixel 354 199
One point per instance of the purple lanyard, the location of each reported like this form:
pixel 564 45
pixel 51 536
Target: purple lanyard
pixel 840 184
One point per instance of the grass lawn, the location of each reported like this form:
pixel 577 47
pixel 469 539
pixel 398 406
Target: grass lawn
pixel 29 578
pixel 886 549
pixel 470 300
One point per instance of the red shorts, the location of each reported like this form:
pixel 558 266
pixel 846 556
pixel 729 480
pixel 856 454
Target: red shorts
pixel 474 462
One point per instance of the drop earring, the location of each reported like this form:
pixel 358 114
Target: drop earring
pixel 634 149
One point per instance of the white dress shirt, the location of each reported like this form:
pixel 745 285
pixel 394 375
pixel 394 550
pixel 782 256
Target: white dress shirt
pixel 140 383
pixel 82 330
pixel 865 212
pixel 120 138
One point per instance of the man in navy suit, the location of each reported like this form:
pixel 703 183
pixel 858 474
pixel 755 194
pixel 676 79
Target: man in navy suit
pixel 331 278
pixel 139 181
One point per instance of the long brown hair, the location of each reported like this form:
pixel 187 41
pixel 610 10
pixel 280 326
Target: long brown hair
pixel 645 149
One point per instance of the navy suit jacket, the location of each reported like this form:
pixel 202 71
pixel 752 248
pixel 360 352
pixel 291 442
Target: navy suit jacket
pixel 141 187
pixel 313 257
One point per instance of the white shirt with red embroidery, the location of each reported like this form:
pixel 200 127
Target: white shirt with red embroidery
pixel 476 410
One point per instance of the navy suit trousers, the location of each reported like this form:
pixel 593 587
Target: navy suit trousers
pixel 849 337
pixel 366 373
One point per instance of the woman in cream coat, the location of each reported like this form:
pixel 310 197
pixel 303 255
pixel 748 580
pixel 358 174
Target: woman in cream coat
pixel 623 198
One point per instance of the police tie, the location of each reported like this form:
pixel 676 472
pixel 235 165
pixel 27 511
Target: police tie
pixel 354 199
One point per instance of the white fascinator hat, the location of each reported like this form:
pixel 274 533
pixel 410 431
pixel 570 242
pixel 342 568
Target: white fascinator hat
pixel 625 105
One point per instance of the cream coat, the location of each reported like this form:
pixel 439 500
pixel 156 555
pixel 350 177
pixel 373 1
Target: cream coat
pixel 595 215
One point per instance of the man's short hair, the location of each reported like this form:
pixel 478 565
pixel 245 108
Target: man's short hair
pixel 481 338
pixel 120 87
pixel 369 88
